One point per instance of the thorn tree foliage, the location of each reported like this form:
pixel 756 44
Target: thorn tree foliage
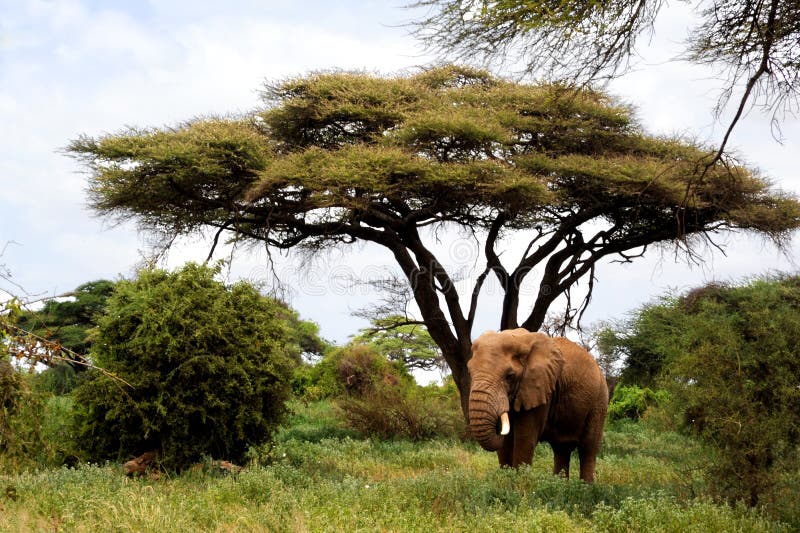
pixel 751 44
pixel 338 158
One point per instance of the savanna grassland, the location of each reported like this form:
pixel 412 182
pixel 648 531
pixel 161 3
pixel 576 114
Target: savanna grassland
pixel 318 476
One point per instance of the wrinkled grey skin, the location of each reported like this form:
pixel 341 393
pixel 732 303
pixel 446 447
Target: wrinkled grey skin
pixel 552 390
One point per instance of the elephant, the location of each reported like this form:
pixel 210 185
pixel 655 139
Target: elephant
pixel 528 387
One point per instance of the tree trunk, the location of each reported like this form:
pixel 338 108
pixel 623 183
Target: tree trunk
pixel 457 361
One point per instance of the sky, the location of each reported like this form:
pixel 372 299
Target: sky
pixel 91 67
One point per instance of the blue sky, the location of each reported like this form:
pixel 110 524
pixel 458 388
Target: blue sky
pixel 72 67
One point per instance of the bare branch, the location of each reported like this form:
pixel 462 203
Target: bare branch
pixel 222 228
pixel 37 349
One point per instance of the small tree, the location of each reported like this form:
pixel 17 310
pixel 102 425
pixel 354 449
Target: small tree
pixel 409 344
pixel 209 366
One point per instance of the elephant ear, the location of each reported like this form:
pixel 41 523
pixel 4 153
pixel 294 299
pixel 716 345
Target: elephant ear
pixel 543 363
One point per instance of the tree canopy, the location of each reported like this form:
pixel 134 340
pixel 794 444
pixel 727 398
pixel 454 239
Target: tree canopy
pixel 336 158
pixel 753 44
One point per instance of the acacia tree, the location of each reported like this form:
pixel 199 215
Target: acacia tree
pixel 752 43
pixel 398 339
pixel 339 158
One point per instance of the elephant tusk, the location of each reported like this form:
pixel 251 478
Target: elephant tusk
pixel 506 424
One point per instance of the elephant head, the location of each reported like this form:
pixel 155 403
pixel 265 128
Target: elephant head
pixel 511 369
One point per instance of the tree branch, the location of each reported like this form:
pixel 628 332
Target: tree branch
pixel 763 68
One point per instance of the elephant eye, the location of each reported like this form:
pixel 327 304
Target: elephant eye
pixel 509 375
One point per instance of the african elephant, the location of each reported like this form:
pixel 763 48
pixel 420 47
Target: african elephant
pixel 530 387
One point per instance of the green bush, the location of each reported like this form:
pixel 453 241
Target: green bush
pixel 632 401
pixel 209 369
pixel 354 369
pixel 58 431
pixel 728 356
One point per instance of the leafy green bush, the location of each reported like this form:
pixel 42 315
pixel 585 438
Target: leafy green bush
pixel 208 367
pixel 58 431
pixel 729 358
pixel 632 401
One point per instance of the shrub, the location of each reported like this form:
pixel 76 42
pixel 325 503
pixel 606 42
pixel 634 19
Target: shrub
pixel 735 377
pixel 209 368
pixel 58 427
pixel 20 417
pixel 378 398
pixel 728 357
pixel 390 412
pixel 632 401
pixel 355 369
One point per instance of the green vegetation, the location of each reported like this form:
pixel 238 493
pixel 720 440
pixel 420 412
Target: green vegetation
pixel 728 356
pixel 365 448
pixel 407 343
pixel 632 402
pixel 337 483
pixel 19 404
pixel 378 398
pixel 206 369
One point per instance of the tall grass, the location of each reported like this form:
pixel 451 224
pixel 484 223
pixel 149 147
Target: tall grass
pixel 334 482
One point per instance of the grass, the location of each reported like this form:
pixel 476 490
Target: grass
pixel 318 477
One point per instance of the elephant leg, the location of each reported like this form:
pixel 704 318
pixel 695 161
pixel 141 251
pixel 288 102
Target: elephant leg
pixel 588 458
pixel 517 450
pixel 523 450
pixel 529 426
pixel 589 445
pixel 506 452
pixel 561 457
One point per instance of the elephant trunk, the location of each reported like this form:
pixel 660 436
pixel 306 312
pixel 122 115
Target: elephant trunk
pixel 486 409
